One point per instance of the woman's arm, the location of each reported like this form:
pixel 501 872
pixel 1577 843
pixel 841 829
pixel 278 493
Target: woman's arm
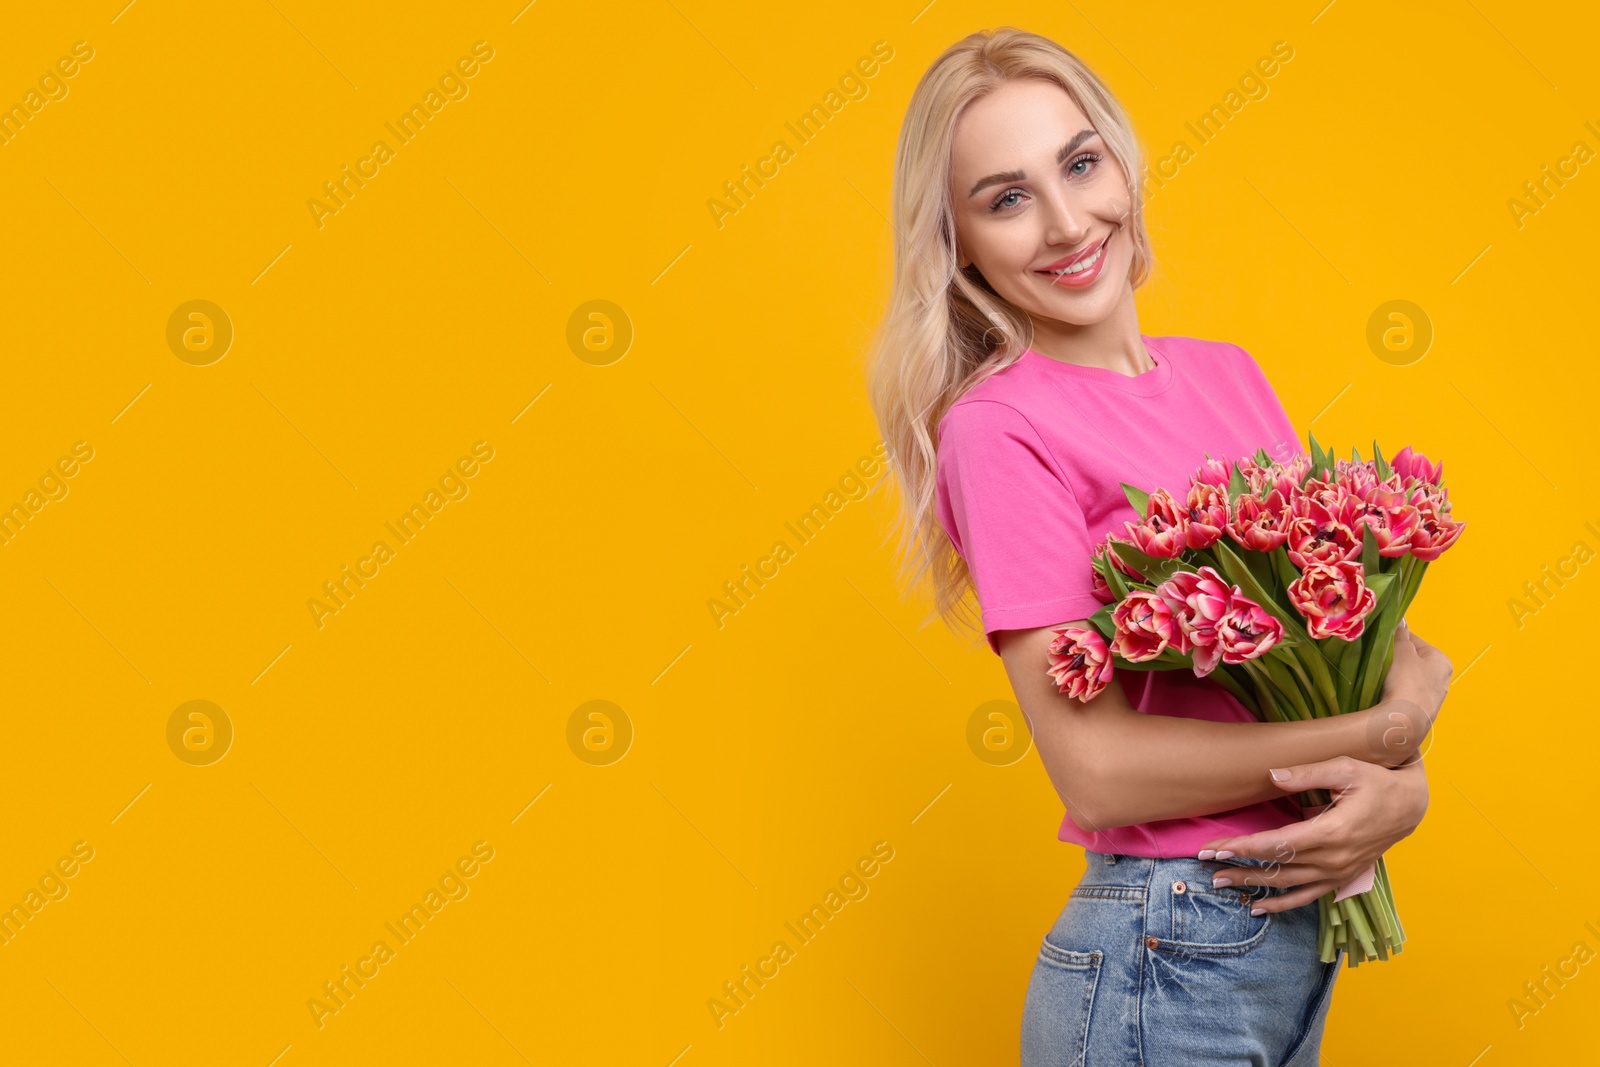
pixel 1113 765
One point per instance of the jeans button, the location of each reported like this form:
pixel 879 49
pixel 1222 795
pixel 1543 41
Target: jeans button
pixel 1180 886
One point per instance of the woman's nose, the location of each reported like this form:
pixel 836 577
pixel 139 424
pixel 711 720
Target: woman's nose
pixel 1066 221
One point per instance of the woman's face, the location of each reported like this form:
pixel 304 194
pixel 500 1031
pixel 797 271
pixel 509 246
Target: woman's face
pixel 1035 191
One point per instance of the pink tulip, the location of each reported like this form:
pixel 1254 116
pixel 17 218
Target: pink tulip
pixel 1436 530
pixel 1334 598
pixel 1414 465
pixel 1080 663
pixel 1145 626
pixel 1357 478
pixel 1199 600
pixel 1207 511
pixel 1260 524
pixel 1102 589
pixel 1248 631
pixel 1391 516
pixel 1284 480
pixel 1213 472
pixel 1326 526
pixel 1164 532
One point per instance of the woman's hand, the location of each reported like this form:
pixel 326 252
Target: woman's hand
pixel 1419 673
pixel 1373 807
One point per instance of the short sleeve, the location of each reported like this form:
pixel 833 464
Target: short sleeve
pixel 1014 519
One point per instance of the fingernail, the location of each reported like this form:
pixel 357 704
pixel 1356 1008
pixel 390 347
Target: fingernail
pixel 1219 881
pixel 1223 855
pixel 1279 774
pixel 1258 911
pixel 1207 853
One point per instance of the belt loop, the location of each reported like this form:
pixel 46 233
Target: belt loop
pixel 1111 857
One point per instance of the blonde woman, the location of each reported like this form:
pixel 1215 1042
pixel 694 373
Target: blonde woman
pixel 1016 393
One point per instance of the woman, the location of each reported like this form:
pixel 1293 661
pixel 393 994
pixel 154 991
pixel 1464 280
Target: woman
pixel 1016 391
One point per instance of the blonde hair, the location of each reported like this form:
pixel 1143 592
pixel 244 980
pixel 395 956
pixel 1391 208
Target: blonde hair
pixel 945 329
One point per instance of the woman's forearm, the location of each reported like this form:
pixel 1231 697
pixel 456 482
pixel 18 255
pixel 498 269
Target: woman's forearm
pixel 1115 766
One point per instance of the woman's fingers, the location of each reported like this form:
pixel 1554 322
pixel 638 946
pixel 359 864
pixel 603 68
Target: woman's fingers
pixel 1280 874
pixel 1295 897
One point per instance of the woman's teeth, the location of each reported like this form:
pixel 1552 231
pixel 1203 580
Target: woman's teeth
pixel 1082 264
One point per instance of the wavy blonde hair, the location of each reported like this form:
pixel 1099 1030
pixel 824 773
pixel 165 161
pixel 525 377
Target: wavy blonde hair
pixel 945 329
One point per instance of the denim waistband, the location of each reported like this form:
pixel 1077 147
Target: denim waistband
pixel 1117 869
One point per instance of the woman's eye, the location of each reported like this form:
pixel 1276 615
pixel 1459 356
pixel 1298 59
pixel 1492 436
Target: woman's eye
pixel 1087 158
pixel 1004 200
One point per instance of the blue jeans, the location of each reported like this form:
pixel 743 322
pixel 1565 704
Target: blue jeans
pixel 1149 965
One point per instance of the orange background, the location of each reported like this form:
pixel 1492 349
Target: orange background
pixel 642 851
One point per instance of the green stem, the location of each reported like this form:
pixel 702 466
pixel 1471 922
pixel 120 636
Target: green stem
pixel 1319 667
pixel 1225 678
pixel 1319 706
pixel 1285 684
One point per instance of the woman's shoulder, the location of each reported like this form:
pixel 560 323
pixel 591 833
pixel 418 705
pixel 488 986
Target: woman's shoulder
pixel 1001 396
pixel 1203 349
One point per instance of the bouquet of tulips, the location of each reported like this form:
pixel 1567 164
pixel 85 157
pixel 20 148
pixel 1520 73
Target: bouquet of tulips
pixel 1284 582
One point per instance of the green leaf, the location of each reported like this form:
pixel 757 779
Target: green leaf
pixel 1261 458
pixel 1261 570
pixel 1379 646
pixel 1381 586
pixel 1382 464
pixel 1348 669
pixel 1371 562
pixel 1321 459
pixel 1284 566
pixel 1155 570
pixel 1414 586
pixel 1138 498
pixel 1115 579
pixel 1238 486
pixel 1101 620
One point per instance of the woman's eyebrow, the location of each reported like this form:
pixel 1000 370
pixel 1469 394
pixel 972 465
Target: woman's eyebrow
pixel 1017 175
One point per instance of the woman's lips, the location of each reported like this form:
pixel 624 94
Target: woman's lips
pixel 1084 268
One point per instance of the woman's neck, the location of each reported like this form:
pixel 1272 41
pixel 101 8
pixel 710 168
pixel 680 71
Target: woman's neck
pixel 1112 344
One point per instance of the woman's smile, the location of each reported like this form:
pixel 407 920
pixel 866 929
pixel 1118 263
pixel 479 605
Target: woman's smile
pixel 1080 269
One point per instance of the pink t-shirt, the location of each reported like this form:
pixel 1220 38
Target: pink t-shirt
pixel 1029 467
